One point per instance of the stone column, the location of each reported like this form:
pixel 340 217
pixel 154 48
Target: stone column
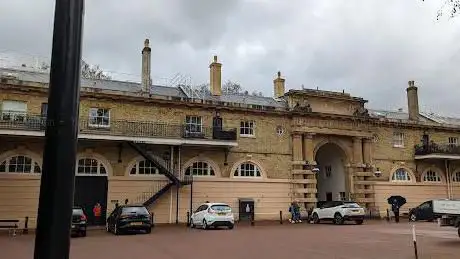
pixel 297 147
pixel 367 150
pixel 308 148
pixel 357 150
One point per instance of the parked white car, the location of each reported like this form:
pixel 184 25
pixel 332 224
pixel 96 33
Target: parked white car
pixel 338 212
pixel 212 215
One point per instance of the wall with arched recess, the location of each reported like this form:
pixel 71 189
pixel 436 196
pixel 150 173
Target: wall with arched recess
pixel 413 179
pixel 93 155
pixel 19 192
pixel 434 169
pixel 236 165
pixel 205 159
pixel 342 144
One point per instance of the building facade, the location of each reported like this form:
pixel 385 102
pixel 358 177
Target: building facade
pixel 171 147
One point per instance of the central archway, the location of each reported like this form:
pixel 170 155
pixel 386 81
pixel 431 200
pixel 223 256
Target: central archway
pixel 331 179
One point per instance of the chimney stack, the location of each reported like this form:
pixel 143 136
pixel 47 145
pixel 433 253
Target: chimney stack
pixel 146 57
pixel 412 101
pixel 278 84
pixel 215 70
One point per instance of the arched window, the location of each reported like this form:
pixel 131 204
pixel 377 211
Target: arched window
pixel 401 175
pixel 144 167
pixel 247 169
pixel 200 168
pixel 431 176
pixel 456 177
pixel 20 165
pixel 90 166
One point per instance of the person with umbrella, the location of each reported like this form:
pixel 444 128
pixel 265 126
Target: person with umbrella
pixel 396 202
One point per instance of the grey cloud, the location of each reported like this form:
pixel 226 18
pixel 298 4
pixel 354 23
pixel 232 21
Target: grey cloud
pixel 368 48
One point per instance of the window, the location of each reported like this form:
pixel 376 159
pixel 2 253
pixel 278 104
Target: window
pixel 193 124
pixel 328 171
pixel 456 177
pixel 44 110
pixel 247 128
pixel 14 110
pixel 144 167
pixel 342 196
pixel 398 139
pixel 453 141
pixel 20 164
pixel 99 117
pixel 247 170
pixel 431 176
pixel 200 169
pixel 90 166
pixel 401 175
pixel 279 130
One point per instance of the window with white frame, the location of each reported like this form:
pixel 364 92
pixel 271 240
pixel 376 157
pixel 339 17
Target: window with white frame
pixel 247 128
pixel 453 141
pixel 328 171
pixel 99 117
pixel 398 139
pixel 431 176
pixel 193 124
pixel 401 175
pixel 20 165
pixel 90 166
pixel 456 177
pixel 247 169
pixel 200 168
pixel 144 167
pixel 14 110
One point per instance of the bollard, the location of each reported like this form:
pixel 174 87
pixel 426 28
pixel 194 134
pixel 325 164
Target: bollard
pixel 281 217
pixel 152 219
pixel 388 215
pixel 414 239
pixel 252 220
pixel 26 226
pixel 188 219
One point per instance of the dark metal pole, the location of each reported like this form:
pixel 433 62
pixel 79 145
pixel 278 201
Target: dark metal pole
pixel 52 239
pixel 177 204
pixel 191 196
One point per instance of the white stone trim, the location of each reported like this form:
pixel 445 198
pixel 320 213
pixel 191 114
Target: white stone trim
pixel 199 158
pixel 22 151
pixel 237 164
pixel 100 158
pixel 408 170
pixel 435 169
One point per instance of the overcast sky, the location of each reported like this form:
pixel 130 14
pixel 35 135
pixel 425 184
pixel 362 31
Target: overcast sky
pixel 370 48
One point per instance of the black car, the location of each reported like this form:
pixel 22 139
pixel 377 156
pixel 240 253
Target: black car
pixel 127 218
pixel 423 211
pixel 79 222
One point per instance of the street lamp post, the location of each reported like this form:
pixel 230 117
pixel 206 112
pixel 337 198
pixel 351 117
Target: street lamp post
pixel 52 239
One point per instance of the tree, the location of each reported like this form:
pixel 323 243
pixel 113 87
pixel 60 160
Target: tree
pixel 93 72
pixel 231 87
pixel 451 7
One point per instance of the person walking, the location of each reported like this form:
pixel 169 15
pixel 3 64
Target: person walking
pixel 297 212
pixel 395 209
pixel 97 213
pixel 292 211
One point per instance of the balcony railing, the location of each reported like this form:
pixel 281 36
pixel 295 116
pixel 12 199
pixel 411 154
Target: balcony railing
pixel 21 121
pixel 434 148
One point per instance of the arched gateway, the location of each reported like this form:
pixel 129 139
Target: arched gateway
pixel 332 176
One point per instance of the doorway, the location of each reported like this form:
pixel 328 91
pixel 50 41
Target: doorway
pixel 331 179
pixel 90 190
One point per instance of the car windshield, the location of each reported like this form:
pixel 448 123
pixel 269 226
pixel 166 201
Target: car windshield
pixel 221 208
pixel 351 205
pixel 135 210
pixel 77 211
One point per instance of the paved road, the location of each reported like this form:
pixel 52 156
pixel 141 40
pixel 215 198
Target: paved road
pixel 372 240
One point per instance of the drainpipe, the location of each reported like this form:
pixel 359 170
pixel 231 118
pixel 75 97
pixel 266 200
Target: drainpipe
pixel 449 191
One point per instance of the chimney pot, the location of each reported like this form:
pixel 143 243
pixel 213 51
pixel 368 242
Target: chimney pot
pixel 146 67
pixel 412 101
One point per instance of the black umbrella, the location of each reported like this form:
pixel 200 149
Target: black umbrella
pixel 397 199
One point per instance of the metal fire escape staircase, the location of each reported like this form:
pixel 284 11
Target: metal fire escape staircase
pixel 159 187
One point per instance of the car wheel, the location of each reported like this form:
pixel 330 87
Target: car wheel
pixel 315 218
pixel 192 225
pixel 230 227
pixel 458 232
pixel 359 222
pixel 205 224
pixel 338 219
pixel 413 217
pixel 148 231
pixel 83 233
pixel 107 228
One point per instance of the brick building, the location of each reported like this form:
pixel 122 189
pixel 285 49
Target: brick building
pixel 150 144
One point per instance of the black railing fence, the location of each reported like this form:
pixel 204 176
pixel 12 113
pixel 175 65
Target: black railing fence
pixel 435 148
pixel 130 128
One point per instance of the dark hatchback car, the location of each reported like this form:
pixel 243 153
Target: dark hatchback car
pixel 79 222
pixel 423 211
pixel 129 218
